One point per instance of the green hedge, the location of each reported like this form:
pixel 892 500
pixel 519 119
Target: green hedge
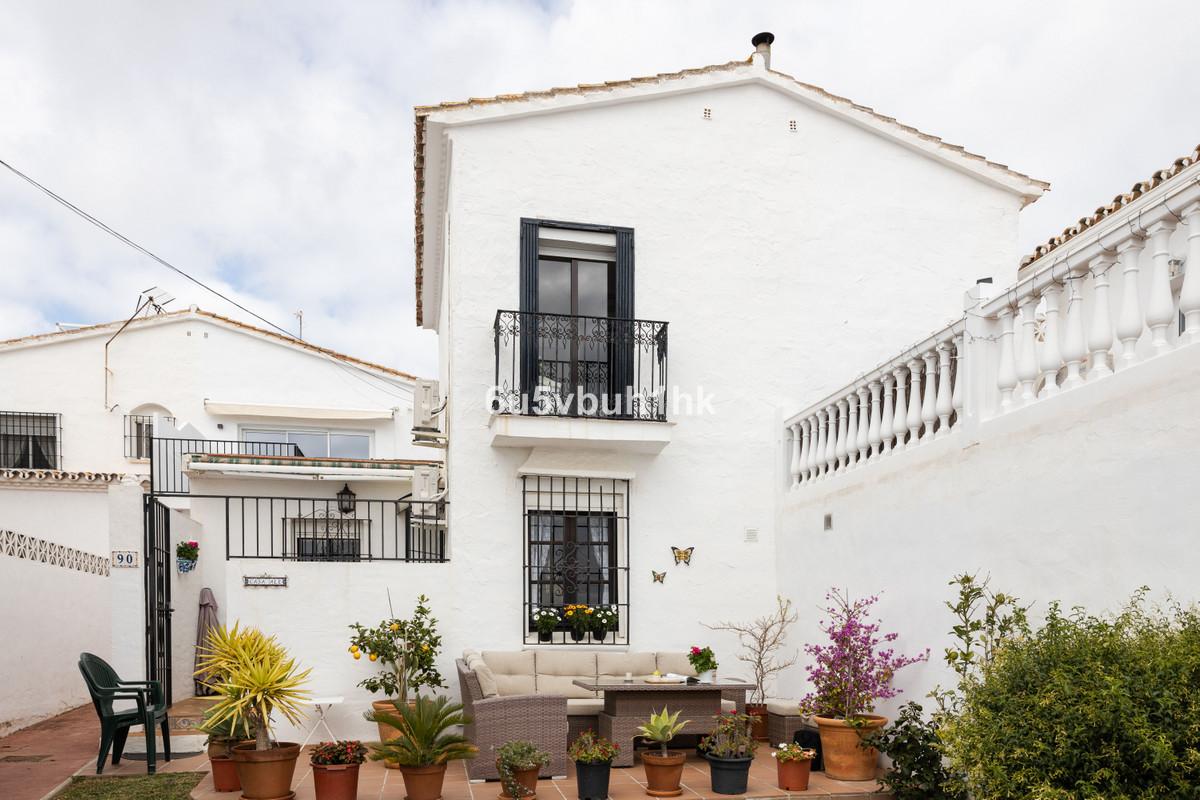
pixel 1086 708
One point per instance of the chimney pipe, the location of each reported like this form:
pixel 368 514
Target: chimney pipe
pixel 762 46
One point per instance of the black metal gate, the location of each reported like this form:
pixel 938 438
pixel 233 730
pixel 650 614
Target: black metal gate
pixel 157 571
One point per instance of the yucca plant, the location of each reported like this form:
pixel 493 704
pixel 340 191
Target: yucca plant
pixel 254 676
pixel 423 739
pixel 662 727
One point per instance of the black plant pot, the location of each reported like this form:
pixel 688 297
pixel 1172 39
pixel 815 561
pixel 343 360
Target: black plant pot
pixel 729 775
pixel 599 635
pixel 592 780
pixel 545 636
pixel 576 636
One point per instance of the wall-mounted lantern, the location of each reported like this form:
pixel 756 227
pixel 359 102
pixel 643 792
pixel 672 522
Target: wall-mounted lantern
pixel 345 500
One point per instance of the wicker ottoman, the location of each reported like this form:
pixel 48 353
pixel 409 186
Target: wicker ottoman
pixel 784 719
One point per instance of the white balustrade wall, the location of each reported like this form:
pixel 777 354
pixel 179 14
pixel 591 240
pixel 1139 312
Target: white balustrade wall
pixel 1122 292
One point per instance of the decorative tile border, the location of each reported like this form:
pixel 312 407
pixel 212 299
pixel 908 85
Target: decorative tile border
pixel 18 545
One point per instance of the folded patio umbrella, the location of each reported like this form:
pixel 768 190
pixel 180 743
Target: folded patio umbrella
pixel 206 622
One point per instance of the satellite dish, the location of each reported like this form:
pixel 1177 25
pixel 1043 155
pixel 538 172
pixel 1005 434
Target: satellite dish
pixel 158 298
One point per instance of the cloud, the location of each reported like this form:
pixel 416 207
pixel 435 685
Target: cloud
pixel 267 148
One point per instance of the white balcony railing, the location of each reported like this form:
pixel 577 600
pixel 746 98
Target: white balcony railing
pixel 1125 291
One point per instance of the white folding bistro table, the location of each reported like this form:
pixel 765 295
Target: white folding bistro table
pixel 322 705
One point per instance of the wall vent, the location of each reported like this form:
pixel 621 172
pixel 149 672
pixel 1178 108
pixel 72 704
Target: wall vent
pixel 792 125
pixel 708 113
pixel 829 522
pixel 751 535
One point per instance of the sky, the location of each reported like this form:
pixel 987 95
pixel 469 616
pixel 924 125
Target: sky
pixel 266 148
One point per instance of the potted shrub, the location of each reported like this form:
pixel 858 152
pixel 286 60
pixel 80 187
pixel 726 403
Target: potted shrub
pixel 704 662
pixel 335 769
pixel 545 620
pixel 519 763
pixel 254 677
pixel 579 619
pixel 220 742
pixel 426 745
pixel 729 750
pixel 186 554
pixel 604 619
pixel 664 769
pixel 793 765
pixel 762 640
pixel 849 675
pixel 593 756
pixel 406 650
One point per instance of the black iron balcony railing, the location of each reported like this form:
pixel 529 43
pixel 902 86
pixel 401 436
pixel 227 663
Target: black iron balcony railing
pixel 139 430
pixel 167 474
pixel 565 365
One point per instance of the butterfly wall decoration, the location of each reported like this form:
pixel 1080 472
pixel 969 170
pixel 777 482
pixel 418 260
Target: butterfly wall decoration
pixel 683 555
pixel 659 577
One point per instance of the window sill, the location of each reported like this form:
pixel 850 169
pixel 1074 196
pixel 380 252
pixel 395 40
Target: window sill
pixel 634 436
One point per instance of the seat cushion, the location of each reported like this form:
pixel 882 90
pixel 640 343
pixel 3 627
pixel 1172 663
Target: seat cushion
pixel 613 666
pixel 514 671
pixel 784 708
pixel 557 672
pixel 483 673
pixel 580 707
pixel 674 662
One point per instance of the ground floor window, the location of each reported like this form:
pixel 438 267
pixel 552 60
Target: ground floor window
pixel 576 543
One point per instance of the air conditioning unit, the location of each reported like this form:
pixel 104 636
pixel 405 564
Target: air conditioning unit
pixel 427 502
pixel 427 407
pixel 425 483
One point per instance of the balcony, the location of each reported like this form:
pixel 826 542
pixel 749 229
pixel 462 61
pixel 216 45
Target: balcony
pixel 579 381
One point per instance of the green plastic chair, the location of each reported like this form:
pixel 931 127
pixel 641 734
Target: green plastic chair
pixel 104 686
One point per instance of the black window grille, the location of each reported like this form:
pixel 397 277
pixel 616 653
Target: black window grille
pixel 30 440
pixel 139 431
pixel 576 546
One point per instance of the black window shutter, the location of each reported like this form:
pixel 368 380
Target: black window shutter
pixel 527 322
pixel 623 335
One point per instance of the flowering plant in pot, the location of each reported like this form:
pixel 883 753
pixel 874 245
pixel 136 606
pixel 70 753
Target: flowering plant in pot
pixel 793 765
pixel 254 677
pixel 426 744
pixel 186 554
pixel 604 619
pixel 519 763
pixel 664 769
pixel 704 662
pixel 729 749
pixel 545 620
pixel 593 756
pixel 335 769
pixel 579 619
pixel 849 675
pixel 406 651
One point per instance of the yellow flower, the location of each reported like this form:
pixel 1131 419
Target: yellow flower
pixel 589 611
pixel 395 627
pixel 569 613
pixel 425 647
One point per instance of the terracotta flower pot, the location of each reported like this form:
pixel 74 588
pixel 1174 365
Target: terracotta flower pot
pixel 758 726
pixel 266 774
pixel 526 777
pixel 844 759
pixel 335 781
pixel 793 775
pixel 423 783
pixel 224 774
pixel 387 732
pixel 663 773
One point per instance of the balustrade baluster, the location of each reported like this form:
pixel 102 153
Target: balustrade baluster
pixel 900 423
pixel 956 398
pixel 874 429
pixel 795 466
pixel 840 449
pixel 864 422
pixel 929 406
pixel 1051 357
pixel 887 420
pixel 805 448
pixel 1006 374
pixel 1129 320
pixel 852 432
pixel 1027 365
pixel 1073 348
pixel 944 407
pixel 1100 335
pixel 831 440
pixel 913 421
pixel 1160 306
pixel 819 458
pixel 1189 295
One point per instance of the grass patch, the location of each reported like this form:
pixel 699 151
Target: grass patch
pixel 167 786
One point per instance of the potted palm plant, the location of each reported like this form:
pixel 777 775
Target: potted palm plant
pixel 406 650
pixel 729 750
pixel 664 769
pixel 425 746
pixel 519 763
pixel 793 765
pixel 593 756
pixel 254 677
pixel 335 769
pixel 849 675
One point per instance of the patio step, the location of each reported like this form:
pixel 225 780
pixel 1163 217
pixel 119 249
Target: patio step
pixel 186 736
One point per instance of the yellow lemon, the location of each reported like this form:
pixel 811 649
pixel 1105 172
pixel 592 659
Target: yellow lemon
pixel 373 657
pixel 353 648
pixel 357 656
pixel 395 627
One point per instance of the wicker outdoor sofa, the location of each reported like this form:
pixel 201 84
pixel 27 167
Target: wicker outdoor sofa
pixel 530 694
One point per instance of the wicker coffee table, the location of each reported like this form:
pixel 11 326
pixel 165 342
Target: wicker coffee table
pixel 629 704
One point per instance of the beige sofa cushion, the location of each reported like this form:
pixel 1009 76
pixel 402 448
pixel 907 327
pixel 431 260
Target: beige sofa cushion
pixel 484 674
pixel 613 666
pixel 784 708
pixel 579 707
pixel 558 670
pixel 514 671
pixel 674 662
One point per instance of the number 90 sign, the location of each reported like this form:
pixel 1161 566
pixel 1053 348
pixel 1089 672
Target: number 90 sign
pixel 124 558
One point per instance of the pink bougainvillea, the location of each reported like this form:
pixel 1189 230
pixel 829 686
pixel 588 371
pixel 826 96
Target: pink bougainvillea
pixel 852 672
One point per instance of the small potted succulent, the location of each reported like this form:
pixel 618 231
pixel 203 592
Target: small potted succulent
pixel 519 763
pixel 729 750
pixel 593 756
pixel 604 619
pixel 425 746
pixel 186 554
pixel 704 662
pixel 793 765
pixel 545 620
pixel 664 769
pixel 335 769
pixel 579 619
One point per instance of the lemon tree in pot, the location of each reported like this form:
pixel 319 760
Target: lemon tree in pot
pixel 729 750
pixel 664 769
pixel 335 769
pixel 593 756
pixel 519 763
pixel 255 678
pixel 849 675
pixel 425 744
